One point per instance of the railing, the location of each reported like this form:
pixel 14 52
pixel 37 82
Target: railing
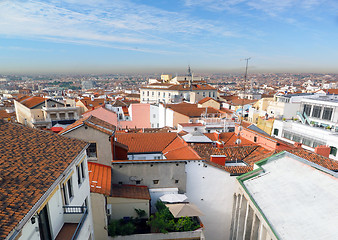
pixel 300 115
pixel 76 210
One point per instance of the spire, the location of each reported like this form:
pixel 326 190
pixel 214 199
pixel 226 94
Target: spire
pixel 189 71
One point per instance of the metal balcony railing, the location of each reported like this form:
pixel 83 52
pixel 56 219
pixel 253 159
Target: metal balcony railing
pixel 75 214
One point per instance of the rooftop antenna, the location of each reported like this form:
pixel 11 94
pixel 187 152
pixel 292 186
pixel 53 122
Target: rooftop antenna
pixel 238 140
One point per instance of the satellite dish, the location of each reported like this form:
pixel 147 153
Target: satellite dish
pixel 238 141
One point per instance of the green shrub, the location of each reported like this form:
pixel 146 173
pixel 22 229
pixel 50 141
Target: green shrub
pixel 163 221
pixel 120 227
pixel 186 224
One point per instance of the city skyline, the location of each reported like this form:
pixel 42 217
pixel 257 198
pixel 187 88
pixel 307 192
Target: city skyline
pixel 102 36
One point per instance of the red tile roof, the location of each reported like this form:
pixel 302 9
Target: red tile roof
pixel 30 162
pixel 146 142
pixel 229 138
pixel 179 150
pixel 92 104
pixel 100 178
pixel 204 100
pixel 32 101
pixel 93 122
pixel 316 158
pixel 331 91
pixel 191 110
pixel 130 191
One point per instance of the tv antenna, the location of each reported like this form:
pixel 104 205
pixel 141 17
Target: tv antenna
pixel 238 140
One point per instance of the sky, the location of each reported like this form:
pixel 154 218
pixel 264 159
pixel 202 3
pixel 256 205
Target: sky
pixel 116 36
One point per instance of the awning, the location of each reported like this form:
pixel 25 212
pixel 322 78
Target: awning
pixel 184 210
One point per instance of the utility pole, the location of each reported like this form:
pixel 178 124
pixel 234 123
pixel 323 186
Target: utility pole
pixel 238 140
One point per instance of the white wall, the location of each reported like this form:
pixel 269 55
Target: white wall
pixel 145 156
pixel 211 189
pixel 154 116
pixel 166 116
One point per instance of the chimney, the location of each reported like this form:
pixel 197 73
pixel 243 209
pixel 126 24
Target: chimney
pixel 323 150
pixel 219 144
pixel 218 159
pixel 297 145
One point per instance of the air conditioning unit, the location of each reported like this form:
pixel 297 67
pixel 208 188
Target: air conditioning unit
pixel 109 209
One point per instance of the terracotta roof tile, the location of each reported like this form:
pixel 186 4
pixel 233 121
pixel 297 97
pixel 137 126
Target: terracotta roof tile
pixel 32 101
pixel 191 110
pixel 146 142
pixel 89 103
pixel 130 191
pixel 179 149
pixel 99 178
pixel 93 122
pixel 231 153
pixel 30 162
pixel 316 158
pixel 204 100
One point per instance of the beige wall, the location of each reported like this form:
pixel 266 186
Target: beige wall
pixel 103 145
pixel 210 103
pixel 179 118
pixel 23 112
pixel 83 108
pixel 98 203
pixel 165 172
pixel 125 207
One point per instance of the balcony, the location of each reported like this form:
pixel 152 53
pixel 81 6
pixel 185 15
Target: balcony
pixel 63 109
pixel 74 218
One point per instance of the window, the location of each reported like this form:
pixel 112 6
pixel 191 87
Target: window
pixel 307 109
pixel 209 94
pixel 296 138
pixel 255 139
pixel 91 151
pixel 155 181
pixel 70 188
pixel 53 116
pixel 67 191
pixel 333 151
pixel 138 181
pixel 152 93
pixel 71 115
pixel 142 93
pixel 80 173
pixel 154 115
pixel 316 111
pixel 327 113
pixel 306 141
pixel 176 181
pixel 203 94
pixel 275 132
pixel 62 116
pixel 287 135
pixel 159 93
pixel 147 93
pixel 163 94
pixel 64 194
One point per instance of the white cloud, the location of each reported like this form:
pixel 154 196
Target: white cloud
pixel 100 22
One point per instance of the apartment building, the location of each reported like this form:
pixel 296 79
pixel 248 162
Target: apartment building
pixel 39 112
pixel 44 190
pixel 167 93
pixel 286 197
